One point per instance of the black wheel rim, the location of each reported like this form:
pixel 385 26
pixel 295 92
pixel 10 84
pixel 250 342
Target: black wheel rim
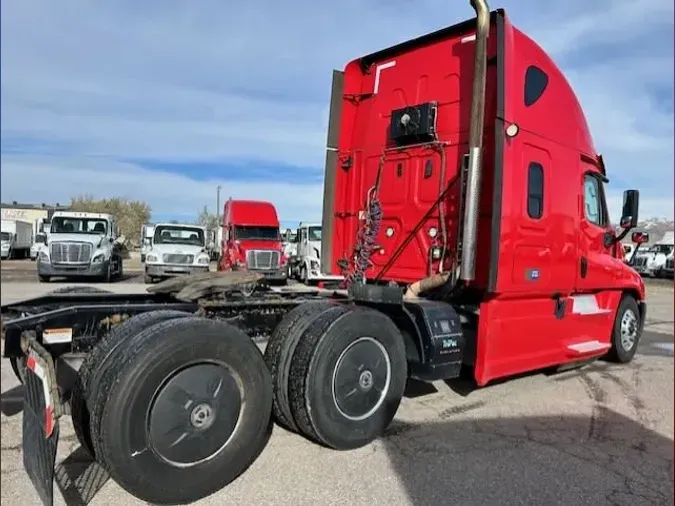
pixel 195 414
pixel 361 379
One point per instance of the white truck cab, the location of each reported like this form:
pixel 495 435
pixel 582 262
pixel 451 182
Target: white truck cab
pixel 654 260
pixel 176 249
pixel 38 243
pixel 82 245
pixel 305 262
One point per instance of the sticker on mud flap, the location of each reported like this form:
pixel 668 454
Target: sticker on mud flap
pixel 55 336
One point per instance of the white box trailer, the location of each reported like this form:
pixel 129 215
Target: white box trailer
pixel 17 238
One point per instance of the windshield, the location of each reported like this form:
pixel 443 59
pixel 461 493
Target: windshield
pixel 661 248
pixel 40 238
pixel 314 233
pixel 256 233
pixel 79 226
pixel 179 235
pixel 6 236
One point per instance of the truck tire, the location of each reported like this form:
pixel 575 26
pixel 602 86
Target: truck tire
pixel 44 279
pixel 174 426
pixel 626 331
pixel 279 352
pixel 96 363
pixel 142 258
pixel 78 289
pixel 347 378
pixel 148 280
pixel 119 272
pixel 108 276
pixel 304 279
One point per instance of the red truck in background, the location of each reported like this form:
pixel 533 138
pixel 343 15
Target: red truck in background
pixel 252 239
pixel 461 164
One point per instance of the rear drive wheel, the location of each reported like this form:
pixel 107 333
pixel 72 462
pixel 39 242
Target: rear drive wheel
pixel 626 332
pixel 186 410
pixel 279 353
pixel 96 364
pixel 347 377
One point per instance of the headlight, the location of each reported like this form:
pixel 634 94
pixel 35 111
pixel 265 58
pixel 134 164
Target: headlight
pixel 98 258
pixel 313 264
pixel 203 260
pixel 152 258
pixel 44 257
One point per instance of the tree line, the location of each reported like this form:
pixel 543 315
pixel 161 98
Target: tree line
pixel 132 214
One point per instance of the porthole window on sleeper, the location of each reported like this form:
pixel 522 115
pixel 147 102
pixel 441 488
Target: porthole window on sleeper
pixel 536 81
pixel 535 190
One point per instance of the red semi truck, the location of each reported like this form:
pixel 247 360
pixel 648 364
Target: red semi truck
pixel 439 208
pixel 252 239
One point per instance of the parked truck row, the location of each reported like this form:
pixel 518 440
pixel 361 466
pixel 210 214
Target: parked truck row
pixel 447 217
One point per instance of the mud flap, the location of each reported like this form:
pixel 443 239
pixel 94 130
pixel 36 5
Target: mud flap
pixel 41 411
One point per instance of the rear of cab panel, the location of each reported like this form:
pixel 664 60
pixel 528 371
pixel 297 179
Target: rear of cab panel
pixel 434 68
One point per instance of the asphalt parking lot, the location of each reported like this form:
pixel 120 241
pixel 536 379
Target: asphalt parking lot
pixel 599 435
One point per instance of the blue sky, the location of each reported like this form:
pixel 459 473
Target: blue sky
pixel 163 100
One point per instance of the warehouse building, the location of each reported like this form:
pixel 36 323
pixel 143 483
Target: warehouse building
pixel 31 213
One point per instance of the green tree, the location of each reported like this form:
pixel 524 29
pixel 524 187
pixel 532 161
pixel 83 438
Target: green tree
pixel 130 214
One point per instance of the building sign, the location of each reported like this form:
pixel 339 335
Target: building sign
pixel 16 214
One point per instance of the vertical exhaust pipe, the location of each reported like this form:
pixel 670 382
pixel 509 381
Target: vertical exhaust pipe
pixel 469 241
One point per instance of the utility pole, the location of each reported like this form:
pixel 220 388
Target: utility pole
pixel 218 203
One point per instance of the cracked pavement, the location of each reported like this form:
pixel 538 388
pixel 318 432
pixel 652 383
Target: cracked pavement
pixel 600 435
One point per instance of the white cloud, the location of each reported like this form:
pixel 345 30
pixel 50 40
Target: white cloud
pixel 167 193
pixel 93 84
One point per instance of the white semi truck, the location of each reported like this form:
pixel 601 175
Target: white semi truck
pixel 654 260
pixel 304 263
pixel 17 237
pixel 81 245
pixel 176 249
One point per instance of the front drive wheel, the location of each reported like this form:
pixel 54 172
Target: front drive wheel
pixel 626 332
pixel 188 410
pixel 347 377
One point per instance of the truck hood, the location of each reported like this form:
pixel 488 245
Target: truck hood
pixel 93 239
pixel 176 249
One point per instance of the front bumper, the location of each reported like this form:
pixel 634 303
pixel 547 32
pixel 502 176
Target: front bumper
pixel 168 270
pixel 87 270
pixel 273 275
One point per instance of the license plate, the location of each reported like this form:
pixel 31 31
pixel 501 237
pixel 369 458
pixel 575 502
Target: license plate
pixel 41 411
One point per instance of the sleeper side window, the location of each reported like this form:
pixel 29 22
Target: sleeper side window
pixel 535 190
pixel 594 202
pixel 536 82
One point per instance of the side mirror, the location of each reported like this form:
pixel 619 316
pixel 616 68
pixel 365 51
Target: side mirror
pixel 639 237
pixel 631 205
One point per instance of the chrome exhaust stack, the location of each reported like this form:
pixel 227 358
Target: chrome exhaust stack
pixel 467 268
